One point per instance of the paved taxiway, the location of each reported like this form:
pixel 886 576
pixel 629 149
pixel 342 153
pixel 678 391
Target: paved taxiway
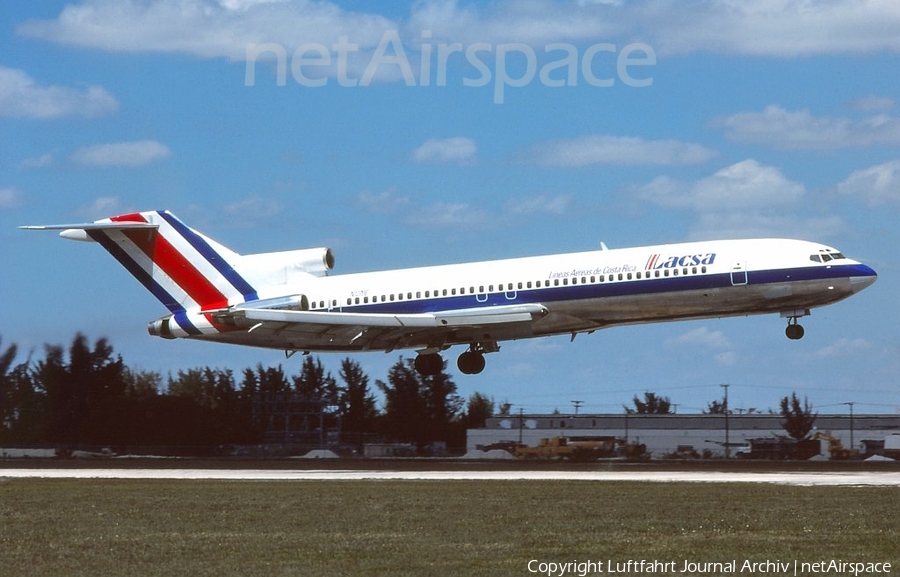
pixel 818 478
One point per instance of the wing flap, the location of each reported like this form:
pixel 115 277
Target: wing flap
pixel 455 318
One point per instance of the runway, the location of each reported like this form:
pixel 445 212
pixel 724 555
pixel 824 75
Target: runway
pixel 817 478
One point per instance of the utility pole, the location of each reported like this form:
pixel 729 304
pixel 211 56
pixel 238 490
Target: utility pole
pixel 577 405
pixel 851 423
pixel 727 439
pixel 521 423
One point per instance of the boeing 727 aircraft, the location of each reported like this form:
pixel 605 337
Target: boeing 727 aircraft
pixel 287 300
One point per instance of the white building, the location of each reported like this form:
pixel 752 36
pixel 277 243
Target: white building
pixel 665 434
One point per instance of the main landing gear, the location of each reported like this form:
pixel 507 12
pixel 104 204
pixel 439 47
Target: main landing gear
pixel 470 362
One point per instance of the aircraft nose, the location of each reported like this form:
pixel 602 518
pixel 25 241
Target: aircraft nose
pixel 864 276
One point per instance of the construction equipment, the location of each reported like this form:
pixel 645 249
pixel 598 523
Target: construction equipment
pixel 580 449
pixel 836 450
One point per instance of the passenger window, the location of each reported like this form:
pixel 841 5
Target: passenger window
pixel 620 276
pixel 703 269
pixel 629 276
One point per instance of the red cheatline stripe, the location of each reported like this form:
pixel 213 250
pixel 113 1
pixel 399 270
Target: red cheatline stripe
pixel 174 264
pixel 186 275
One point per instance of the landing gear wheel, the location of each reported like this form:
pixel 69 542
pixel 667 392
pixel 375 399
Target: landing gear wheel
pixel 429 364
pixel 470 362
pixel 794 331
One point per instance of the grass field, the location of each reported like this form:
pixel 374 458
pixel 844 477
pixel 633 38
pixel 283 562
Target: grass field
pixel 492 528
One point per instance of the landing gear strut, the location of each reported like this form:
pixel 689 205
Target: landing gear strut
pixel 794 330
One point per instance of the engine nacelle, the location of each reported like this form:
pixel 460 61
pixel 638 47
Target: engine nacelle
pixel 285 267
pixel 162 328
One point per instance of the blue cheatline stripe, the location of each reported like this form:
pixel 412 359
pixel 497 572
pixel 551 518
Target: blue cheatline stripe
pixel 617 288
pixel 209 253
pixel 144 277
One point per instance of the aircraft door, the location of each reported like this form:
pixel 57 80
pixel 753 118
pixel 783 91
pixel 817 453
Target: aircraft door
pixel 739 274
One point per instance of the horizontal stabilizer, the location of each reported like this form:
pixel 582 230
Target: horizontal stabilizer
pixel 80 231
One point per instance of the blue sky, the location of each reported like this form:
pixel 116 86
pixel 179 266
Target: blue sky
pixel 630 123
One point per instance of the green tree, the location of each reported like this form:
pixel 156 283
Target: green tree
pixel 652 404
pixel 84 394
pixel 357 403
pixel 420 409
pixel 21 406
pixel 798 419
pixel 479 408
pixel 716 408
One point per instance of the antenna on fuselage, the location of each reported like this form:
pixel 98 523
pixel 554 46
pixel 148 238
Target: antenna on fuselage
pixel 603 246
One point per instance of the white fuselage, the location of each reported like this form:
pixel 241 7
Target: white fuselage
pixel 584 291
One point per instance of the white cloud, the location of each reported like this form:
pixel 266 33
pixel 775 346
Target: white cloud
pixel 800 130
pixel 444 214
pixel 746 184
pixel 540 204
pixel 783 28
pixel 37 161
pixel 876 185
pixel 22 97
pixel 701 336
pixel 102 207
pixel 128 154
pixel 253 207
pixel 763 224
pixel 10 197
pixel 744 200
pixel 873 103
pixel 206 28
pixel 842 347
pixel 455 150
pixel 382 202
pixel 617 150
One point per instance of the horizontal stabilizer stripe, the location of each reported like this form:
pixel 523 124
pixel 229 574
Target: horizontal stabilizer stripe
pixel 213 257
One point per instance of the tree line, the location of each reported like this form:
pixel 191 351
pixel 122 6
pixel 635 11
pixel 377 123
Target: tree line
pixel 85 396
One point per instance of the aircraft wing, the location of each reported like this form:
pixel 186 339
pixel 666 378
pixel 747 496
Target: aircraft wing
pixel 325 329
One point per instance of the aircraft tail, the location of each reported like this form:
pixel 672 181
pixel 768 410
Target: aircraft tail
pixel 184 269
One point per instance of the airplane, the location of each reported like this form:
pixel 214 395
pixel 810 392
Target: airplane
pixel 288 300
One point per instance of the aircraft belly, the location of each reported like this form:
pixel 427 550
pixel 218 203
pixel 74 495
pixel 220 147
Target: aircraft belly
pixel 692 304
pixel 563 317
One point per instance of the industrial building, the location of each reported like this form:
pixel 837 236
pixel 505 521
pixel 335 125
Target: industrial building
pixel 705 435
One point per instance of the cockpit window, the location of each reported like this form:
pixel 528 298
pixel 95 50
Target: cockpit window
pixel 826 256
